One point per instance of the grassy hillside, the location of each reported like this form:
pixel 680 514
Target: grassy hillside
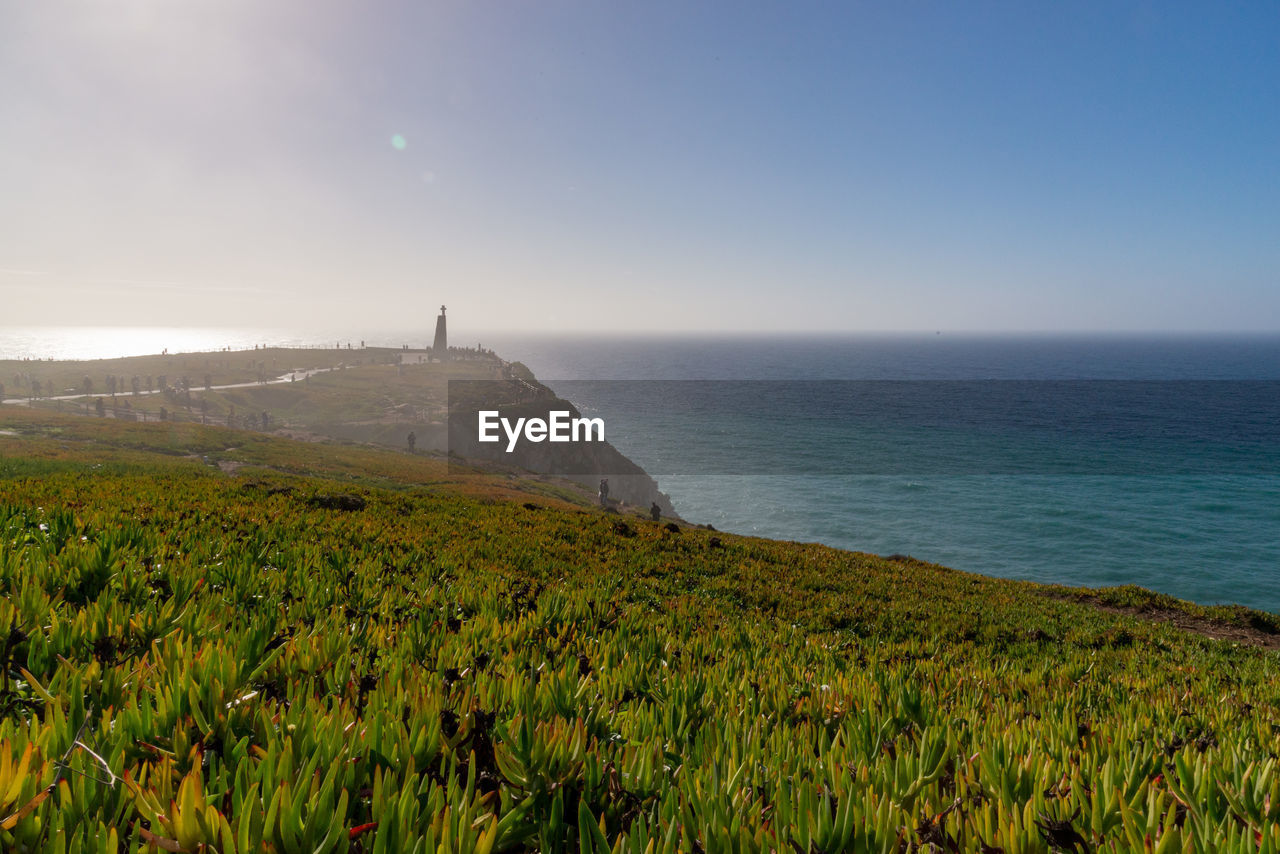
pixel 343 649
pixel 361 395
pixel 220 368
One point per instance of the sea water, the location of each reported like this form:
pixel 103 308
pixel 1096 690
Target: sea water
pixel 1084 460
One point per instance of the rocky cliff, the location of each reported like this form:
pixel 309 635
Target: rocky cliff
pixel 520 396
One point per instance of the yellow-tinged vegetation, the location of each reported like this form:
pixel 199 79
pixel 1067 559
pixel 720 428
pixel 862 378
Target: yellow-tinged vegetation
pixel 341 649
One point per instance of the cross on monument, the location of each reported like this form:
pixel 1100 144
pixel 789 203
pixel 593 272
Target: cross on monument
pixel 440 347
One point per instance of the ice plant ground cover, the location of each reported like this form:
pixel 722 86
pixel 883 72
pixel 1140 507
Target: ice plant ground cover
pixel 342 649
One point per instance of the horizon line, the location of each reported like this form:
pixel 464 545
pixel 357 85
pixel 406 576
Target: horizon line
pixel 324 332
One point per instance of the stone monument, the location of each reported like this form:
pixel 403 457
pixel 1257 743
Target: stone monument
pixel 440 349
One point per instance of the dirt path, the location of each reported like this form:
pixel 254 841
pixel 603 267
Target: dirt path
pixel 1188 623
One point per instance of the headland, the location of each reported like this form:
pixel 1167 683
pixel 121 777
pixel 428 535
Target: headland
pixel 394 398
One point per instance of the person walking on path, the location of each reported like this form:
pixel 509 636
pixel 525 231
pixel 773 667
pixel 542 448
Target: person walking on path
pixel 604 492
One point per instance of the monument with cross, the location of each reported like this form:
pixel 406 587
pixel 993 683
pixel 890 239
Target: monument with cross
pixel 440 349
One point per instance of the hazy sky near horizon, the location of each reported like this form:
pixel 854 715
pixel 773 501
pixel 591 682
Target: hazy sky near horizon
pixel 642 166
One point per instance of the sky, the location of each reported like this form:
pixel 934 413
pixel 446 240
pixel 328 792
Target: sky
pixel 641 166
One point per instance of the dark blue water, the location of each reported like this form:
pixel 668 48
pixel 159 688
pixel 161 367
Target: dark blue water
pixel 1078 460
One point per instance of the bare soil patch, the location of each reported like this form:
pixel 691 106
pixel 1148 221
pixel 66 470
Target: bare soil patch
pixel 1208 628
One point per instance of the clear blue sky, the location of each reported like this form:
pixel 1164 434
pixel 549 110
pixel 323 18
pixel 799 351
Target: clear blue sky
pixel 643 166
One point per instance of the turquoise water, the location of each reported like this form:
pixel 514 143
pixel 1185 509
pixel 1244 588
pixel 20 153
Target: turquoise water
pixel 1077 460
pixel 1028 457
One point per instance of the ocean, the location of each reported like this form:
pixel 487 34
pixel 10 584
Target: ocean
pixel 1071 459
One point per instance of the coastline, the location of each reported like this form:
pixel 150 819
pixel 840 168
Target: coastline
pixel 1201 538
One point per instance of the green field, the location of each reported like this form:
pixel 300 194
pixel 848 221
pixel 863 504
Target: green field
pixel 358 395
pixel 217 640
pixel 220 368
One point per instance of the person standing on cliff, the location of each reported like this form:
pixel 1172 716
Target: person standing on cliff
pixel 604 492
